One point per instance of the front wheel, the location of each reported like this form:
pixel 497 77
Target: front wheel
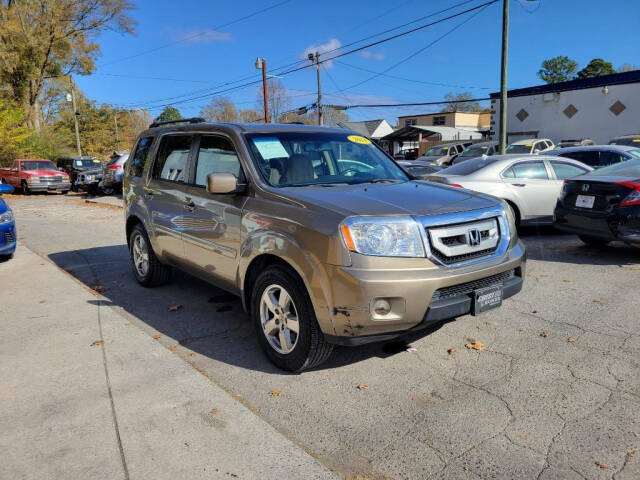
pixel 594 241
pixel 25 188
pixel 285 321
pixel 146 267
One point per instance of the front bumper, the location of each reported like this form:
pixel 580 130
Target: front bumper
pixel 410 292
pixel 622 223
pixel 8 238
pixel 49 187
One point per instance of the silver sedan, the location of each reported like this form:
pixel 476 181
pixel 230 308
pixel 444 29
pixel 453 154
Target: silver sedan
pixel 530 184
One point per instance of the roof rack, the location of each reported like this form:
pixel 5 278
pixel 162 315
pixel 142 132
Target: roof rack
pixel 182 120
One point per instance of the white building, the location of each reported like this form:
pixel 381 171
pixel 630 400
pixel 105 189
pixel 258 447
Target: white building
pixel 374 129
pixel 598 108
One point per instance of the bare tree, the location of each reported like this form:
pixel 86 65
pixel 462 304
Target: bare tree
pixel 221 109
pixel 278 98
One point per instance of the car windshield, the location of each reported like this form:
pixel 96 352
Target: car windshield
pixel 437 152
pixel 85 162
pixel 468 166
pixel 521 148
pixel 38 165
pixel 635 153
pixel 630 168
pixel 300 159
pixel 474 151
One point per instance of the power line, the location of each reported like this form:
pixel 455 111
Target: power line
pixel 412 104
pixel 196 35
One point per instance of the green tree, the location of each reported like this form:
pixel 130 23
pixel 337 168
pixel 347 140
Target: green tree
pixel 558 69
pixel 469 105
pixel 169 113
pixel 41 39
pixel 596 68
pixel 12 133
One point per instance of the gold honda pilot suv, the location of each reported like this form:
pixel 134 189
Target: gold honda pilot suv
pixel 325 239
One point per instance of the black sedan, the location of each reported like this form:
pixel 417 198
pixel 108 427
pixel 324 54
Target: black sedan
pixel 603 205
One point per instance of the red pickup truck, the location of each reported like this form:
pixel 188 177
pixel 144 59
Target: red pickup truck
pixel 35 175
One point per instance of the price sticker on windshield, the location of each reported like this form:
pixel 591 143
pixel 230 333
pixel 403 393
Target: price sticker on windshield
pixel 359 139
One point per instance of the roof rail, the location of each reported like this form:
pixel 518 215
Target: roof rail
pixel 182 120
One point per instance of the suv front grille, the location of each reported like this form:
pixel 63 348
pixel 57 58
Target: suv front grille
pixel 450 244
pixel 51 179
pixel 468 287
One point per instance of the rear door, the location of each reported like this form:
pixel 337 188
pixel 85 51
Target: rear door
pixel 529 182
pixel 166 194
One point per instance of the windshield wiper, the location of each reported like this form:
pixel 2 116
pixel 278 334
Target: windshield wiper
pixel 383 180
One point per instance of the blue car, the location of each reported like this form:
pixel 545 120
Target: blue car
pixel 8 237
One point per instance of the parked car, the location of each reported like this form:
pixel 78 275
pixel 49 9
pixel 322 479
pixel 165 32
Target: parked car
pixel 600 155
pixel 603 205
pixel 112 173
pixel 407 154
pixel 484 149
pixel 346 253
pixel 35 175
pixel 444 154
pixel 531 145
pixel 418 169
pixel 583 142
pixel 8 236
pixel 85 172
pixel 630 140
pixel 530 185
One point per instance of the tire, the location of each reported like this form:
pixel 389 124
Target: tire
pixel 107 190
pixel 155 273
pixel 64 192
pixel 593 241
pixel 25 188
pixel 309 348
pixel 6 257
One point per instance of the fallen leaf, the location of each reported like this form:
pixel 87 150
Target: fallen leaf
pixel 237 396
pixel 630 453
pixel 542 275
pixel 522 330
pixel 157 336
pixel 567 281
pixel 571 340
pixel 451 351
pixel 466 468
pixel 96 343
pixel 633 267
pixel 175 308
pixel 534 311
pixel 42 301
pixel 191 354
pixel 174 348
pixel 544 334
pixel 601 465
pixel 598 301
pixel 275 393
pixel 362 386
pixel 98 288
pixel 214 410
pixel 475 346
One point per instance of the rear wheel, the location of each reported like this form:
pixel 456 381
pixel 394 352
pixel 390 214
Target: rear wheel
pixel 146 267
pixel 285 321
pixel 25 188
pixel 594 241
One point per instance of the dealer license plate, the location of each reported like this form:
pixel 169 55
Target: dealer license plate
pixel 486 299
pixel 585 201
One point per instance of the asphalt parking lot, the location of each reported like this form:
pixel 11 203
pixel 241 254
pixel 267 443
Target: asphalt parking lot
pixel 552 393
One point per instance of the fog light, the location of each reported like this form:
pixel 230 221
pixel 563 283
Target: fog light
pixel 381 307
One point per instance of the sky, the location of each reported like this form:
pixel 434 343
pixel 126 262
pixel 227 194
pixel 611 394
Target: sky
pixel 186 49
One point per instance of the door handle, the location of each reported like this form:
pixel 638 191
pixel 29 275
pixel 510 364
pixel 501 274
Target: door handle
pixel 519 184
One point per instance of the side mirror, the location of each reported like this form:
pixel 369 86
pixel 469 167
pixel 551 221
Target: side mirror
pixel 222 183
pixel 5 188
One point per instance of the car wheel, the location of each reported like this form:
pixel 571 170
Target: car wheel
pixel 593 241
pixel 107 190
pixel 25 188
pixel 146 267
pixel 285 321
pixel 64 192
pixel 6 257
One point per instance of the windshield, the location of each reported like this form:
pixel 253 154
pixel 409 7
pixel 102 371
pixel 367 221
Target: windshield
pixel 468 166
pixel 635 153
pixel 316 158
pixel 38 165
pixel 437 152
pixel 630 168
pixel 85 162
pixel 474 151
pixel 522 148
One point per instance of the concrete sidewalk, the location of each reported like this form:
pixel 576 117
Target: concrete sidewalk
pixel 86 394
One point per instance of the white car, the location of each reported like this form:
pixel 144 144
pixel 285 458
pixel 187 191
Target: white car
pixel 531 145
pixel 530 185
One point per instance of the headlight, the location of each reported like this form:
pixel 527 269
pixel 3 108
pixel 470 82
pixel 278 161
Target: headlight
pixel 34 179
pixel 6 217
pixel 383 236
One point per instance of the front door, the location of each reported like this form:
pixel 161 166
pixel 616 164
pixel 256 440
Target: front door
pixel 165 195
pixel 212 237
pixel 529 182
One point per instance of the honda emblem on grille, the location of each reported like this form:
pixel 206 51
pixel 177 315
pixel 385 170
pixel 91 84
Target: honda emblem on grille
pixel 585 187
pixel 473 237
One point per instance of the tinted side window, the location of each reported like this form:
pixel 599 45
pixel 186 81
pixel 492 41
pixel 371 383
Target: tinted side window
pixel 530 170
pixel 139 158
pixel 173 158
pixel 215 155
pixel 609 158
pixel 590 157
pixel 566 170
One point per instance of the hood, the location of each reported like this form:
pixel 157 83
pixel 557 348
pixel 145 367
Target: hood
pixel 408 198
pixel 45 173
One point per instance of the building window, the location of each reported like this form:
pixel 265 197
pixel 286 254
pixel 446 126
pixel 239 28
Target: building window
pixel 409 122
pixel 438 120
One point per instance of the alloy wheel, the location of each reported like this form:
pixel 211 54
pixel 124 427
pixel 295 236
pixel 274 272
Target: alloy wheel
pixel 140 255
pixel 279 319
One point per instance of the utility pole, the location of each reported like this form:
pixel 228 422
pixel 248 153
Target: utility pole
pixel 115 121
pixel 261 63
pixel 503 77
pixel 316 59
pixel 75 116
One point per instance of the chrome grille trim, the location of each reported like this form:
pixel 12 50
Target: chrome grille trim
pixel 455 219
